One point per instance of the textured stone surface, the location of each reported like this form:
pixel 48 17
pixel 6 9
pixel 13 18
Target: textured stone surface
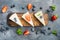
pixel 11 35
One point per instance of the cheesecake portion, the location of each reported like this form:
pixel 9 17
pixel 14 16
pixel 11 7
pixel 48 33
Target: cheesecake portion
pixel 15 19
pixel 27 18
pixel 39 16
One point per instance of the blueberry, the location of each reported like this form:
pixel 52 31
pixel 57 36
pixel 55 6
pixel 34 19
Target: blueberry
pixel 33 10
pixel 7 28
pixel 49 28
pixel 12 6
pixel 32 29
pixel 40 16
pixel 15 19
pixel 33 6
pixel 48 10
pixel 1 29
pixel 37 32
pixel 22 7
pixel 42 32
pixel 41 8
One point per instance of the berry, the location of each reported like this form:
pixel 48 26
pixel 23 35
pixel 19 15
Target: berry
pixel 12 6
pixel 7 28
pixel 40 16
pixel 54 17
pixel 33 10
pixel 33 6
pixel 49 28
pixel 48 10
pixel 22 7
pixel 26 32
pixel 41 8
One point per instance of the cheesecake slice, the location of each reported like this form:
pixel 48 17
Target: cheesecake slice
pixel 27 18
pixel 39 16
pixel 15 19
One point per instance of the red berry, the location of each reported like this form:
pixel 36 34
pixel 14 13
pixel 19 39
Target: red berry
pixel 53 17
pixel 26 32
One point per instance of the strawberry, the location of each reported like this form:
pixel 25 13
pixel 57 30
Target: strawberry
pixel 54 17
pixel 26 32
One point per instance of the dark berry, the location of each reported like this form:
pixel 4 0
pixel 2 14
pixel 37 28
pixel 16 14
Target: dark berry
pixel 32 29
pixel 41 8
pixel 37 32
pixel 2 30
pixel 42 32
pixel 49 28
pixel 7 28
pixel 40 16
pixel 12 6
pixel 48 10
pixel 33 10
pixel 15 19
pixel 22 7
pixel 33 6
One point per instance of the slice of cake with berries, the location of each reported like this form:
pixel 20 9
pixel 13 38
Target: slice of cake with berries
pixel 15 19
pixel 39 16
pixel 27 18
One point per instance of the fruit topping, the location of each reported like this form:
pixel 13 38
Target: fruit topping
pixel 40 16
pixel 28 17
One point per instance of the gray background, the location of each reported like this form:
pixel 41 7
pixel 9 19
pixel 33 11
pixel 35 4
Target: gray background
pixel 11 33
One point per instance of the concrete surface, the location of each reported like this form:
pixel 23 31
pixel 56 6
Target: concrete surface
pixel 11 35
